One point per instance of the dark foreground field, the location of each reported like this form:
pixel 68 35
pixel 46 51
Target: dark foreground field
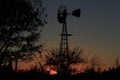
pixel 112 74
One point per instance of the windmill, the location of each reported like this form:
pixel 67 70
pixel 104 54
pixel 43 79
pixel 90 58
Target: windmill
pixel 62 16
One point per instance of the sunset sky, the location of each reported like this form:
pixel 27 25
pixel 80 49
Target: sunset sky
pixel 97 30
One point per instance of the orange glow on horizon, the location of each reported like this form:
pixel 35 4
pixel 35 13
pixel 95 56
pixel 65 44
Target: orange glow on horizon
pixel 52 69
pixel 53 72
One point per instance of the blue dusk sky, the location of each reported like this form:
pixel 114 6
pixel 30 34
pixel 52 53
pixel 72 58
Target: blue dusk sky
pixel 97 30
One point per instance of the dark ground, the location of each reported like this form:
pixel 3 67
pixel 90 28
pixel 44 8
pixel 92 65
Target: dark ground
pixel 112 74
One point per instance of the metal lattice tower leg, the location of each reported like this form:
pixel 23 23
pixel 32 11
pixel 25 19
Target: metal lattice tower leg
pixel 64 46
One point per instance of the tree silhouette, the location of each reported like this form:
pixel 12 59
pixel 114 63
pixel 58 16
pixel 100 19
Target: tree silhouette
pixel 21 22
pixel 94 62
pixel 63 62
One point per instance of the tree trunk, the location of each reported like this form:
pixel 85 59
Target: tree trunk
pixel 16 64
pixel 10 65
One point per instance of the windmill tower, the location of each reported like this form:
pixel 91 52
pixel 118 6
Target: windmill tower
pixel 62 16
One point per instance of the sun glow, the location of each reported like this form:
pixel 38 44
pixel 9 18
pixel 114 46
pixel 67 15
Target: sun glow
pixel 53 72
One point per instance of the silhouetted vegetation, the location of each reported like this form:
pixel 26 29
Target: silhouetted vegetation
pixel 20 26
pixel 112 74
pixel 63 62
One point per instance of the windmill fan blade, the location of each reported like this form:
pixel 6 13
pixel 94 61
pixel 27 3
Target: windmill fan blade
pixel 76 13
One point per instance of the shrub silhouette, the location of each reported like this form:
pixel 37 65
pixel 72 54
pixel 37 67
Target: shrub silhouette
pixel 63 62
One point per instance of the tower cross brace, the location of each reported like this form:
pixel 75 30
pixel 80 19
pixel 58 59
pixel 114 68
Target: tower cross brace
pixel 64 44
